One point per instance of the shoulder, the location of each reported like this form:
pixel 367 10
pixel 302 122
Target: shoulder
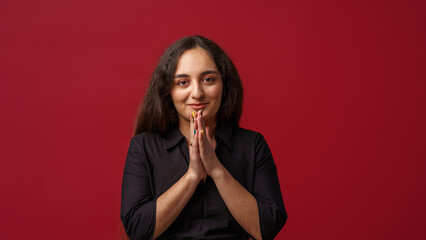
pixel 157 141
pixel 253 144
pixel 248 139
pixel 143 137
pixel 146 139
pixel 248 135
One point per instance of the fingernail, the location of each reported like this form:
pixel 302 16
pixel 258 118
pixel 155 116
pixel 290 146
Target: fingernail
pixel 201 112
pixel 202 131
pixel 195 131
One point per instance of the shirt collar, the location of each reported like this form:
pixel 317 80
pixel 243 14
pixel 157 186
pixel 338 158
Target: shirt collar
pixel 224 133
pixel 172 138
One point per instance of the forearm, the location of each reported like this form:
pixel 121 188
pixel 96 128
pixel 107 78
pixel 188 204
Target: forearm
pixel 171 203
pixel 241 203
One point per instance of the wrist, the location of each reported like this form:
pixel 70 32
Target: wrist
pixel 192 176
pixel 218 173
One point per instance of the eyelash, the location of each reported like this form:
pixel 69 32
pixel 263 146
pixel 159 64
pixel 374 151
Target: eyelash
pixel 212 79
pixel 183 83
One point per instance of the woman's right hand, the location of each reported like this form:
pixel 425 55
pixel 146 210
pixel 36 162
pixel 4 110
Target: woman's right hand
pixel 196 167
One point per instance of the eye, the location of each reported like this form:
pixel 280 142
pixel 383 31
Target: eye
pixel 182 83
pixel 208 79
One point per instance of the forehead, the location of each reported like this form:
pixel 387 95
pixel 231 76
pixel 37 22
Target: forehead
pixel 194 61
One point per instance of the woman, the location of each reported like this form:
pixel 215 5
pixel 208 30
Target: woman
pixel 191 172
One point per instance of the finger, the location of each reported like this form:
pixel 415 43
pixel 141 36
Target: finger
pixel 192 129
pixel 200 122
pixel 195 145
pixel 192 150
pixel 204 128
pixel 208 135
pixel 191 123
pixel 201 128
pixel 195 127
pixel 201 143
pixel 201 135
pixel 202 119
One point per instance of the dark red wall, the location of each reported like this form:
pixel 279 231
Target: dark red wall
pixel 336 87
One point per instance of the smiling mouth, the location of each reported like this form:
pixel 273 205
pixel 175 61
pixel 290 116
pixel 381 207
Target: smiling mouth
pixel 198 106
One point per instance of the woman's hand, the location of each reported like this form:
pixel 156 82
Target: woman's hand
pixel 207 145
pixel 195 165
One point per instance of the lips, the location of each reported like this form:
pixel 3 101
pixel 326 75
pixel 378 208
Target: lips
pixel 198 106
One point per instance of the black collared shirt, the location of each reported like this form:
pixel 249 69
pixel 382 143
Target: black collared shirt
pixel 154 163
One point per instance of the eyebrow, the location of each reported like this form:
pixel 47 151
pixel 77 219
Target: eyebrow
pixel 202 74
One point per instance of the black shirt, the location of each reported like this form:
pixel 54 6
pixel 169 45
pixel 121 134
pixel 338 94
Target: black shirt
pixel 154 163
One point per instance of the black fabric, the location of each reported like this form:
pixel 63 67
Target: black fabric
pixel 154 163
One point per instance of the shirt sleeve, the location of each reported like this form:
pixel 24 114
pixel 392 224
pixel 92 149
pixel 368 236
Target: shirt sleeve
pixel 266 190
pixel 138 207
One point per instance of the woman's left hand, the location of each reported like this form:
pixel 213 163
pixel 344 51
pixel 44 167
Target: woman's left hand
pixel 207 145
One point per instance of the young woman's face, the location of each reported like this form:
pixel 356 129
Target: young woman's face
pixel 197 85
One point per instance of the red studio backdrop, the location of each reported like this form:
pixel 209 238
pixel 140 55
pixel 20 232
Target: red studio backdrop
pixel 336 87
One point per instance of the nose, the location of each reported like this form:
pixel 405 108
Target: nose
pixel 197 91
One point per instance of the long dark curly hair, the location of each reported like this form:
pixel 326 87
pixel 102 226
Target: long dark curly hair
pixel 157 112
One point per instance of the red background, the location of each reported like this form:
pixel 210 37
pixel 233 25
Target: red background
pixel 337 88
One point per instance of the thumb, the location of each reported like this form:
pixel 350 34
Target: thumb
pixel 208 135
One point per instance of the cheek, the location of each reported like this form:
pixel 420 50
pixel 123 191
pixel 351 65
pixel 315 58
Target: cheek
pixel 178 97
pixel 217 93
